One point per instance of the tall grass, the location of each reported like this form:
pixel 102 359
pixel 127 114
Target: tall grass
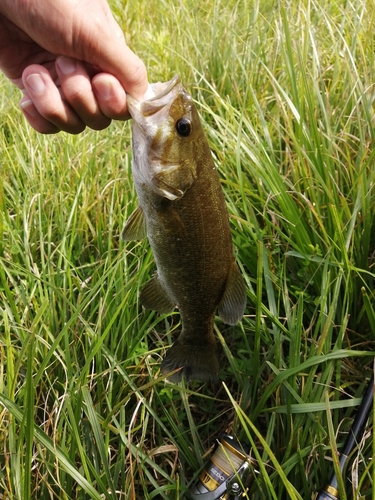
pixel 285 92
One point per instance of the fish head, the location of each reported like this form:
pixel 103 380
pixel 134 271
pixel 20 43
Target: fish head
pixel 166 135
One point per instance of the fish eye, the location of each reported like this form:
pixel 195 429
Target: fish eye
pixel 183 127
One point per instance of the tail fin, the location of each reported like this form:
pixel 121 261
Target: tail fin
pixel 196 362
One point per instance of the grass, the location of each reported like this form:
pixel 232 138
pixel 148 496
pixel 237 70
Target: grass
pixel 286 96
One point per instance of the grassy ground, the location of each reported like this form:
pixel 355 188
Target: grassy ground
pixel 286 94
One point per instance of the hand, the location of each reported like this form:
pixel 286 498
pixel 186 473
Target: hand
pixel 70 59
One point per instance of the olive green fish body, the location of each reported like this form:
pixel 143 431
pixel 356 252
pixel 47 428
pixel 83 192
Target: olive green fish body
pixel 182 210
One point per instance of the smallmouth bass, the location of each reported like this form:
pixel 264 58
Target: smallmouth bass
pixel 182 211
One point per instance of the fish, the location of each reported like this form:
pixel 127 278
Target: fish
pixel 183 214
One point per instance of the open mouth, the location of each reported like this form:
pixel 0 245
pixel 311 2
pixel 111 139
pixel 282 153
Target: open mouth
pixel 162 89
pixel 158 105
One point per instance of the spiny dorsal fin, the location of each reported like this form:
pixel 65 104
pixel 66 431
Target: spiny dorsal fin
pixel 155 297
pixel 135 226
pixel 233 303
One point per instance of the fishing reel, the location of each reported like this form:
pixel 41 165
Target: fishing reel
pixel 227 474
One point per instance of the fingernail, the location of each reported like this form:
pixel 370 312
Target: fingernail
pixel 67 65
pixel 28 107
pixel 103 89
pixel 36 83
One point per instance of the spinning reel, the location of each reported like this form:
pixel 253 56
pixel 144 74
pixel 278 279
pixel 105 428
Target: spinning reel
pixel 227 474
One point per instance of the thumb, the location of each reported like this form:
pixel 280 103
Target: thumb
pixel 112 55
pixel 116 58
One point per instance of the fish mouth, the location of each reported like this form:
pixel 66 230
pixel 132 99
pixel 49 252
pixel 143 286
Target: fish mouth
pixel 164 93
pixel 162 89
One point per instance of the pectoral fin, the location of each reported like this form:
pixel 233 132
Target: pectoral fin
pixel 173 182
pixel 233 303
pixel 135 226
pixel 155 297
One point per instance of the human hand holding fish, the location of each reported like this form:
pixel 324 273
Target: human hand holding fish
pixel 182 211
pixel 70 77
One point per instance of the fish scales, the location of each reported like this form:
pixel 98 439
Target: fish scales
pixel 183 213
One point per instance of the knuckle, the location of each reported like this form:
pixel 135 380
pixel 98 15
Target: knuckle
pixel 66 121
pixel 44 127
pixel 75 129
pixel 99 124
pixel 75 94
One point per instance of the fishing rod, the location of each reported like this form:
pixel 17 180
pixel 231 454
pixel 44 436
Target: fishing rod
pixel 331 492
pixel 230 469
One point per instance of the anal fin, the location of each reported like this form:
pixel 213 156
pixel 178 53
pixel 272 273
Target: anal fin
pixel 232 305
pixel 155 297
pixel 135 226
